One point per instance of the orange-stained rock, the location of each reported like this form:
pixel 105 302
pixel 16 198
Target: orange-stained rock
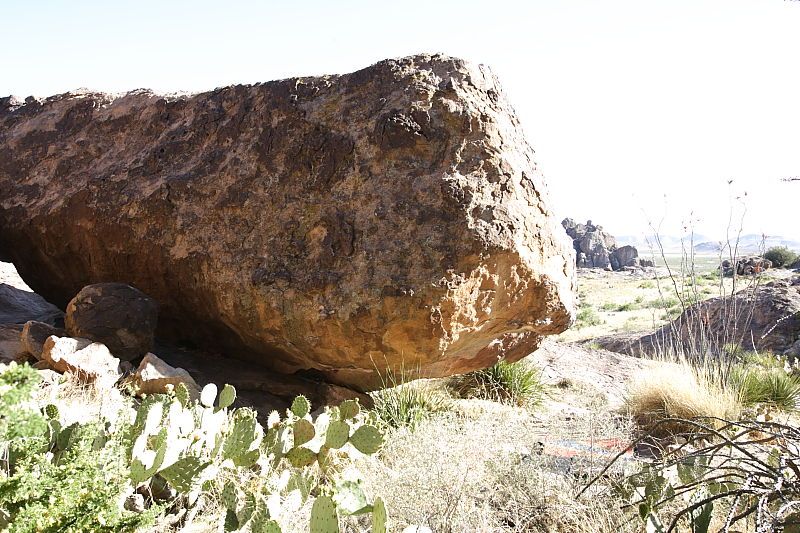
pixel 393 217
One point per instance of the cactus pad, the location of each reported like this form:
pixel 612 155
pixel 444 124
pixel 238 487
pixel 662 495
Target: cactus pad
pixel 350 498
pixel 379 518
pixel 229 496
pixel 367 439
pixel 185 474
pixel 51 411
pixel 349 409
pixel 303 431
pixel 337 434
pixel 323 516
pixel 182 394
pixel 226 397
pixel 301 406
pixel 208 395
pixel 300 457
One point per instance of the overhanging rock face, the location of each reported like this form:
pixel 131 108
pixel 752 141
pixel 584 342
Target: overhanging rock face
pixel 392 217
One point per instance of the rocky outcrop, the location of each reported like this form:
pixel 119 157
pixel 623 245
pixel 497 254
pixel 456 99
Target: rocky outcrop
pixel 390 217
pixel 595 248
pixel 115 314
pixel 745 266
pixel 155 376
pixel 765 318
pixel 10 346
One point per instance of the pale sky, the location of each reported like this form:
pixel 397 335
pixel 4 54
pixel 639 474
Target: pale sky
pixel 637 109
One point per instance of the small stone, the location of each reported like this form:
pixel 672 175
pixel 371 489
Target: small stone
pixel 91 361
pixel 135 503
pixel 153 376
pixel 34 334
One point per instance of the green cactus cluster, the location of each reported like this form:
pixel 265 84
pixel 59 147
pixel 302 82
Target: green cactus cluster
pixel 189 443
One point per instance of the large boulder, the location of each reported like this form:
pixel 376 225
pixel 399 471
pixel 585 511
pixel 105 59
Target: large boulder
pixel 115 314
pixel 390 217
pixel 89 361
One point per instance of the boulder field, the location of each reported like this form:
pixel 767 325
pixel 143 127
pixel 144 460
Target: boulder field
pixel 393 217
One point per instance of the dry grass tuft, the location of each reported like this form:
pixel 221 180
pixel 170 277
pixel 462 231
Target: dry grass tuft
pixel 679 390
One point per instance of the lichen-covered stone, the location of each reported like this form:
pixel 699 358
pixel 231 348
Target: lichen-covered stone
pixel 393 217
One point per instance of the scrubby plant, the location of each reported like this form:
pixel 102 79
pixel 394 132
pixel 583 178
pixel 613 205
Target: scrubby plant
pixel 780 256
pixel 587 317
pixel 407 404
pixel 734 475
pixel 516 383
pixel 58 479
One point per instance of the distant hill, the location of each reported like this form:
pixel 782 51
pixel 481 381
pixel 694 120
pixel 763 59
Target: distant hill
pixel 751 243
pixel 703 244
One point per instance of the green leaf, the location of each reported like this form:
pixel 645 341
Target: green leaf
pixel 379 517
pixel 185 473
pixel 337 434
pixel 367 439
pixel 300 457
pixel 226 397
pixel 323 516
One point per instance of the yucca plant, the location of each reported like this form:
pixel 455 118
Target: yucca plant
pixel 515 383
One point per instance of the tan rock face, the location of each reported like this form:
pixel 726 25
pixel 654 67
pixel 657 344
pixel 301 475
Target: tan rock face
pixel 35 334
pixel 390 217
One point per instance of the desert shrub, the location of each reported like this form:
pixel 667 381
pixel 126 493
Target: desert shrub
pixel 679 391
pixel 726 476
pixel 515 383
pixel 780 256
pixel 407 404
pixel 647 285
pixel 587 317
pixel 57 479
pixel 770 386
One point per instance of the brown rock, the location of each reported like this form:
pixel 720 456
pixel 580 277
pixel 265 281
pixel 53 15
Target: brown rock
pixel 91 361
pixel 390 217
pixel 153 376
pixel 10 345
pixel 34 334
pixel 115 314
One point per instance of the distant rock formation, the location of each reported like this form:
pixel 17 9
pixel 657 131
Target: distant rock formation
pixel 594 248
pixel 745 266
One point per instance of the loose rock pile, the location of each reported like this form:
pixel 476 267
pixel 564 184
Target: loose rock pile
pixel 107 325
pixel 595 248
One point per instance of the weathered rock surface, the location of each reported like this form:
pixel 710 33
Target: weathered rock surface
pixel 91 361
pixel 595 248
pixel 10 346
pixel 765 319
pixel 35 334
pixel 18 306
pixel 154 375
pixel 115 314
pixel 392 216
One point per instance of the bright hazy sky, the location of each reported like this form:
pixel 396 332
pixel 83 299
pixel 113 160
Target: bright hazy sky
pixel 637 109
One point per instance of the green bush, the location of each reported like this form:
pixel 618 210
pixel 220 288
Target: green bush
pixel 515 383
pixel 780 256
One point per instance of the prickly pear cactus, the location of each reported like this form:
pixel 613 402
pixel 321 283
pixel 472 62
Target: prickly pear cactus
pixel 379 517
pixel 226 397
pixel 367 439
pixel 337 434
pixel 301 406
pixel 51 411
pixel 323 516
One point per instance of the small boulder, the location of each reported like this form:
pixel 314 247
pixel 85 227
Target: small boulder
pixel 154 375
pixel 34 334
pixel 91 361
pixel 118 315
